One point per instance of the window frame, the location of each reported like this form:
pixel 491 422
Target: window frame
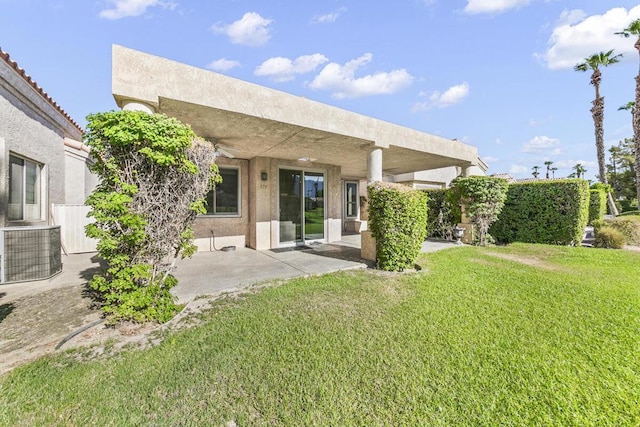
pixel 356 203
pixel 239 191
pixel 38 186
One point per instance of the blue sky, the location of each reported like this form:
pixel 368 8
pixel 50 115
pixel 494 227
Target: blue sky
pixel 496 74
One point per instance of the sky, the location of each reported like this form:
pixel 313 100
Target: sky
pixel 496 74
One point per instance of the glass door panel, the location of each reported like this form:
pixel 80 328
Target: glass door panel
pixel 290 188
pixel 313 206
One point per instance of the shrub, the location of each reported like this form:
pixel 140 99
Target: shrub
pixel 609 237
pixel 629 226
pixel 482 199
pixel 630 213
pixel 552 212
pixel 398 222
pixel 440 219
pixel 154 174
pixel 597 204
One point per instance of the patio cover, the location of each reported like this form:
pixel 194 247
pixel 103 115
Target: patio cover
pixel 248 120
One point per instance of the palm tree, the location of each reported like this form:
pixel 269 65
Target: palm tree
pixel 634 30
pixel 593 63
pixel 553 172
pixel 548 164
pixel 535 172
pixel 580 170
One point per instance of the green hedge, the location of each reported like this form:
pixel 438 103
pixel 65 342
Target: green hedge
pixel 597 204
pixel 440 217
pixel 553 212
pixel 398 222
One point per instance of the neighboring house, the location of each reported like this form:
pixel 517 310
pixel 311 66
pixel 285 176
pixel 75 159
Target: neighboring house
pixel 43 163
pixel 438 178
pixel 293 169
pixel 505 176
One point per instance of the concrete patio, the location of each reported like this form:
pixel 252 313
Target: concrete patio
pixel 210 272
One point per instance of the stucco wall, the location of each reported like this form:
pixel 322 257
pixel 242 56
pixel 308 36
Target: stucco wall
pixel 79 181
pixel 29 135
pixel 215 226
pixel 33 128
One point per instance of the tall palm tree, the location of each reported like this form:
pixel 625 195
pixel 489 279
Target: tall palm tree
pixel 548 164
pixel 634 30
pixel 593 63
pixel 580 170
pixel 553 172
pixel 535 172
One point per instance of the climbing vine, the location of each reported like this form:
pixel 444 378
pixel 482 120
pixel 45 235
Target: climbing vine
pixel 154 174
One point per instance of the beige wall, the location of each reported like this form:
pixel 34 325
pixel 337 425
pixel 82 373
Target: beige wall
pixel 232 230
pixel 264 226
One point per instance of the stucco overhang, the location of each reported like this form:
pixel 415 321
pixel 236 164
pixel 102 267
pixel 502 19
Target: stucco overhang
pixel 254 121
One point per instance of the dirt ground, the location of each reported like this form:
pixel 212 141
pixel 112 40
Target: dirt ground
pixel 33 325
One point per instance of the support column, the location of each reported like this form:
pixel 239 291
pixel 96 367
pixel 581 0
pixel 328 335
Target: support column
pixel 374 165
pixel 138 106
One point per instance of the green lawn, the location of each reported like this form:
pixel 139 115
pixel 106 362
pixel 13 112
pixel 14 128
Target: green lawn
pixel 523 335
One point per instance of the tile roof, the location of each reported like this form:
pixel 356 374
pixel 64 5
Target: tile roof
pixel 27 78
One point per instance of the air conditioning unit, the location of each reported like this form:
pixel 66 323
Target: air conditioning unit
pixel 29 253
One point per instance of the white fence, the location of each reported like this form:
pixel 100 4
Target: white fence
pixel 72 220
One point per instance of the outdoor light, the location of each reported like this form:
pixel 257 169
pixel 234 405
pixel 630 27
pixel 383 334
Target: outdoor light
pixel 263 176
pixel 458 232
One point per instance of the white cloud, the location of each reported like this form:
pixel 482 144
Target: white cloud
pixel 250 30
pixel 281 69
pixel 492 6
pixel 449 97
pixel 490 159
pixel 569 164
pixel 577 36
pixel 498 141
pixel 125 8
pixel 341 80
pixel 518 169
pixel 328 18
pixel 540 144
pixel 223 64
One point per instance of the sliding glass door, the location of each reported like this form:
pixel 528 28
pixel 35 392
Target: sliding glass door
pixel 301 206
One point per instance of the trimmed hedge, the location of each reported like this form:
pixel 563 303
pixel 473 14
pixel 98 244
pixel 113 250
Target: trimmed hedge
pixel 398 222
pixel 440 218
pixel 552 212
pixel 597 204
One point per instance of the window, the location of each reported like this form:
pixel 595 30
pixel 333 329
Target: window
pixel 351 199
pixel 225 198
pixel 24 190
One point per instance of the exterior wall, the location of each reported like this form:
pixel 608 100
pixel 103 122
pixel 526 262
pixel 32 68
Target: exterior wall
pixel 264 230
pixel 260 209
pixel 28 134
pixel 258 226
pixel 33 128
pixel 79 181
pixel 213 232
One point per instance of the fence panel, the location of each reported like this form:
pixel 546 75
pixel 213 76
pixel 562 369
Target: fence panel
pixel 72 220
